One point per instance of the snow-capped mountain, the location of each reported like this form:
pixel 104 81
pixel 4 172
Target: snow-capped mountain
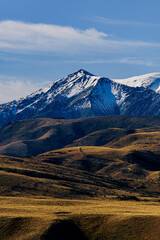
pixel 82 94
pixel 151 80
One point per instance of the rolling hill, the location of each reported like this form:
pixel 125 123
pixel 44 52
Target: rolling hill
pixel 79 172
pixel 35 136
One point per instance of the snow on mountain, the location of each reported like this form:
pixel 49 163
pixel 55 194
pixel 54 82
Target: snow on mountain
pixel 56 95
pixel 82 94
pixel 151 80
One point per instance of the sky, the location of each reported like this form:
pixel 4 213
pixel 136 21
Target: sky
pixel 44 40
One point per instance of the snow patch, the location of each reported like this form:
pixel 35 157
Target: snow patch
pixel 151 80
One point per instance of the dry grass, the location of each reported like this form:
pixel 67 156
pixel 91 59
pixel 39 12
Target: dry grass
pixel 29 219
pixel 54 208
pixel 35 136
pixel 148 141
pixel 81 172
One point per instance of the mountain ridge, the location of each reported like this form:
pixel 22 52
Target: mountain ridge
pixel 151 80
pixel 35 136
pixel 82 94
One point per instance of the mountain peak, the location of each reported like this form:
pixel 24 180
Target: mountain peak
pixel 84 72
pixel 82 94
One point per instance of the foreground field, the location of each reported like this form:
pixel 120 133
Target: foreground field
pixel 46 219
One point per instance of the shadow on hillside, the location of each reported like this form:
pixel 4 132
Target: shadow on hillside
pixel 146 159
pixel 63 230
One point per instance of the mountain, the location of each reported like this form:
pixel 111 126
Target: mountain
pixel 80 95
pixel 151 80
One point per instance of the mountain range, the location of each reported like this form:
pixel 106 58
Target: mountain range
pixel 83 178
pixel 83 94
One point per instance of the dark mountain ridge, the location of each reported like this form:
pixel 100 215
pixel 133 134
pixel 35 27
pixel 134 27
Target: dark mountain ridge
pixel 35 136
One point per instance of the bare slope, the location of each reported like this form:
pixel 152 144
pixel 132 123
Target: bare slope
pixel 148 141
pixel 82 172
pixel 35 136
pixel 42 177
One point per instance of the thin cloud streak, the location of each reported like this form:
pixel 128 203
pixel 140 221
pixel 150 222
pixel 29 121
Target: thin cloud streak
pixel 134 61
pixel 131 61
pixel 109 21
pixel 126 60
pixel 21 37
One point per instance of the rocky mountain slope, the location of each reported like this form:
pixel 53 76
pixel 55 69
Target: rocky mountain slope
pixel 82 94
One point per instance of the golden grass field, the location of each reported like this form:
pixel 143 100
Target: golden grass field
pixel 35 219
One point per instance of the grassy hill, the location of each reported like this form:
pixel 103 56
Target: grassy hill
pixel 81 172
pixel 35 136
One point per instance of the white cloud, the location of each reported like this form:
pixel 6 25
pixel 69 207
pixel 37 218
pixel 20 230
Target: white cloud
pixel 43 37
pixel 12 88
pixel 19 36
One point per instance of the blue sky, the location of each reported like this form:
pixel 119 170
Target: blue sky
pixel 44 40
